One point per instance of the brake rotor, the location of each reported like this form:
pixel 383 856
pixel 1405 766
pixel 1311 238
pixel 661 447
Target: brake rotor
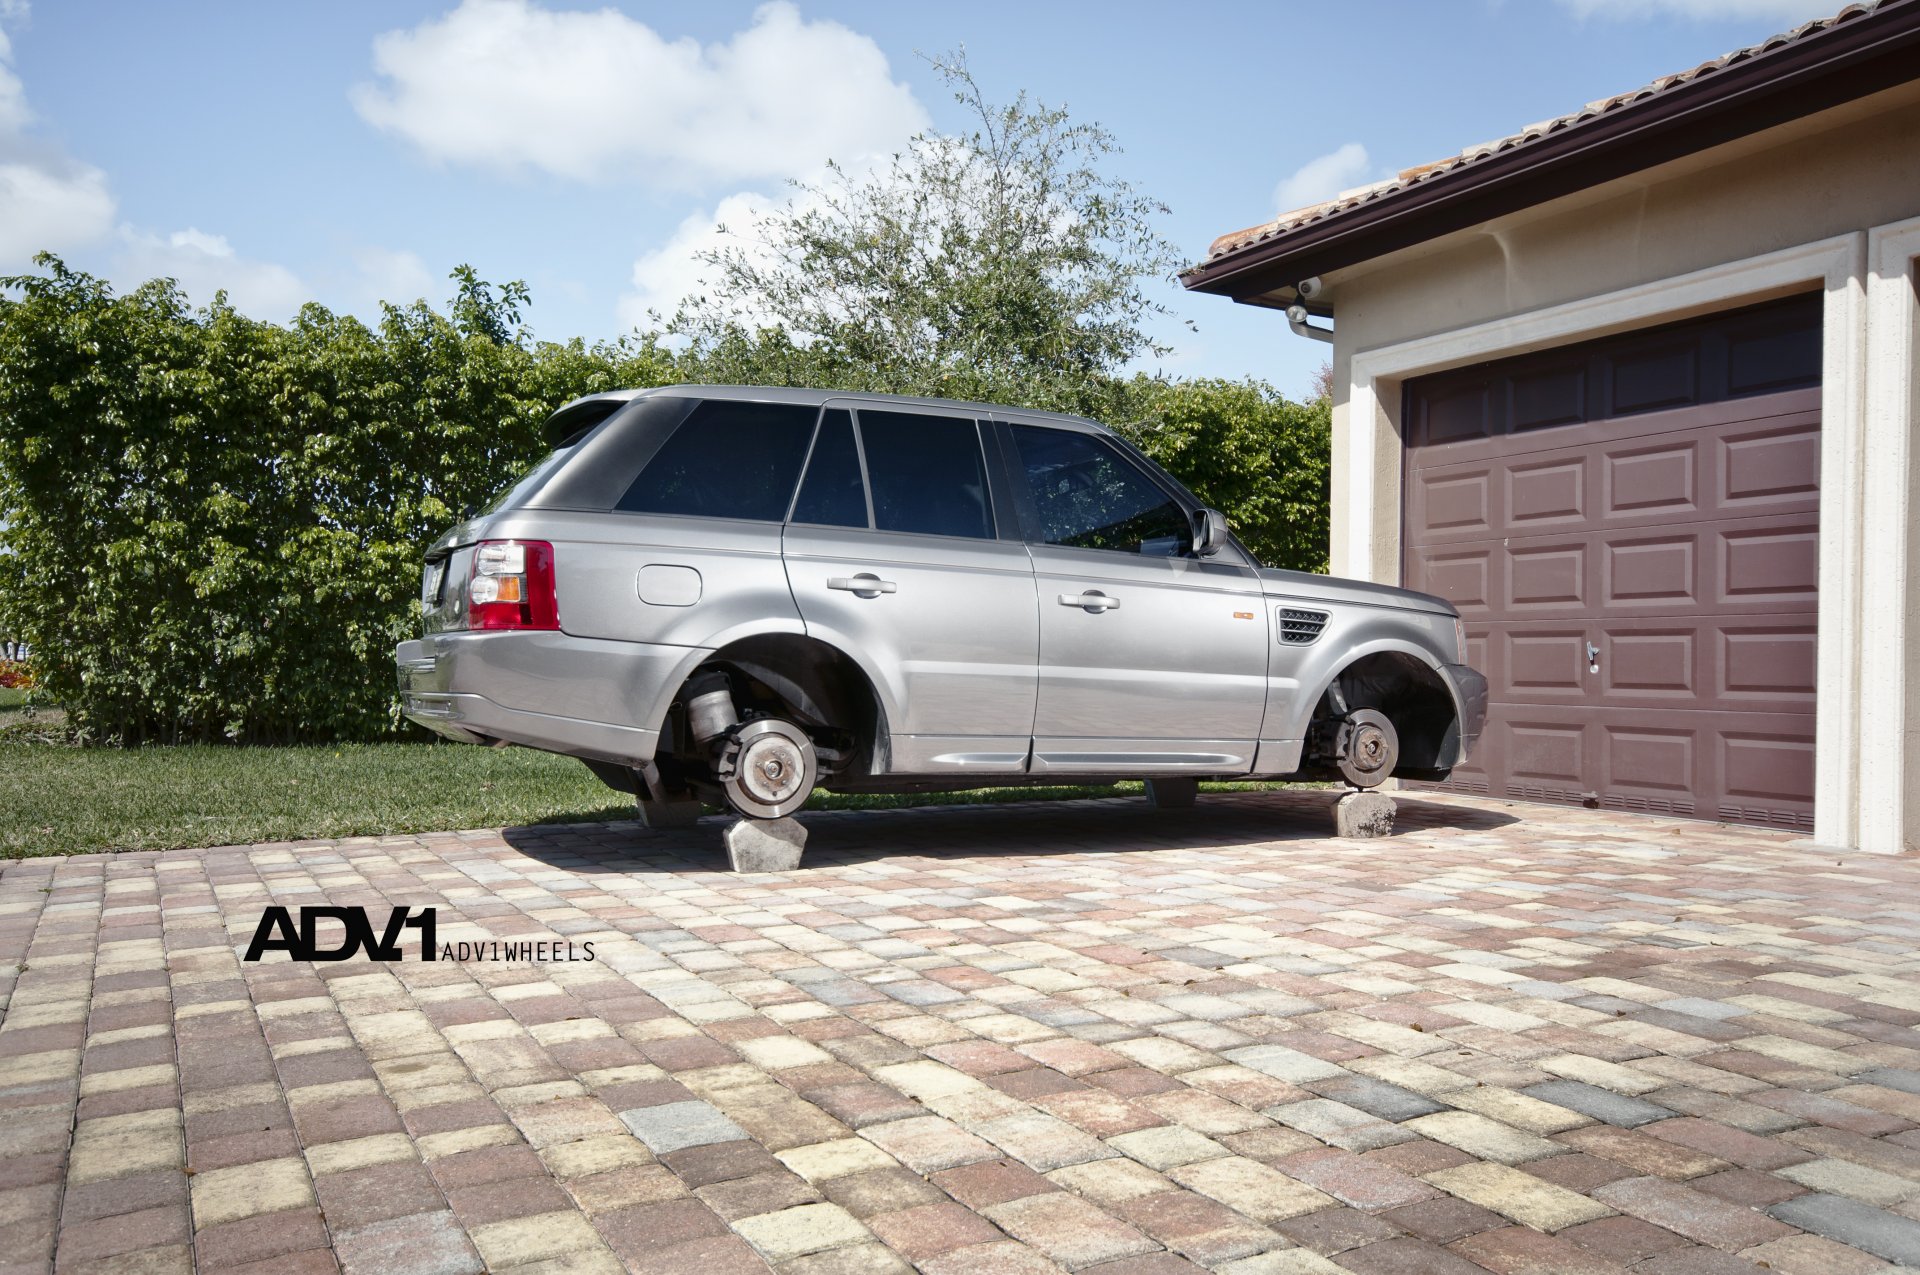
pixel 1367 748
pixel 768 768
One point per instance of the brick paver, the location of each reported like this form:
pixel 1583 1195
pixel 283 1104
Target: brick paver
pixel 1031 1037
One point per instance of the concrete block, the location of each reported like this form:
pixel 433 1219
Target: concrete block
pixel 1363 814
pixel 668 814
pixel 765 845
pixel 1172 794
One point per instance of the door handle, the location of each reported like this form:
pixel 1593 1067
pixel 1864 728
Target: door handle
pixel 1092 601
pixel 1593 658
pixel 864 585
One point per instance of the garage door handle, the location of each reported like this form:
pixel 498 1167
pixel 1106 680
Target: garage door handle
pixel 1092 601
pixel 863 585
pixel 1593 658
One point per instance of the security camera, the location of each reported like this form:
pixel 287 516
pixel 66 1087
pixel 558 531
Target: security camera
pixel 1310 288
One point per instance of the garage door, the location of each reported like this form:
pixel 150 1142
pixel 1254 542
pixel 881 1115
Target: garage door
pixel 1630 530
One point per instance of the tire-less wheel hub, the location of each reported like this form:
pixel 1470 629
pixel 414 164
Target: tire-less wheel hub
pixel 768 769
pixel 1367 748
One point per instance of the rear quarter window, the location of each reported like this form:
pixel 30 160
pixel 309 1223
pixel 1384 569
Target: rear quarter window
pixel 726 460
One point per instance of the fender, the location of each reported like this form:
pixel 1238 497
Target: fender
pixel 885 696
pixel 1300 713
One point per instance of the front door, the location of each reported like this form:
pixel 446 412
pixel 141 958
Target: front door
pixel 1151 660
pixel 893 553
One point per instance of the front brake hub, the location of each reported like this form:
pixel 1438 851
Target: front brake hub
pixel 1366 748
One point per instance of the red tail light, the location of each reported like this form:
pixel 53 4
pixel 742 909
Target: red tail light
pixel 512 586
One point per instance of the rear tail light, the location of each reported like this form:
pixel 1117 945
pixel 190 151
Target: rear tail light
pixel 512 586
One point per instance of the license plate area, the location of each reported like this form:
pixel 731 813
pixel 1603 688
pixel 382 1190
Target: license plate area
pixel 433 583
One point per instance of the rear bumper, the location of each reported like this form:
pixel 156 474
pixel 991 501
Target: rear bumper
pixel 583 697
pixel 1470 699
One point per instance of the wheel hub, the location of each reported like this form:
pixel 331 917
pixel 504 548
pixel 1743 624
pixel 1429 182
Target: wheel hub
pixel 1367 748
pixel 768 768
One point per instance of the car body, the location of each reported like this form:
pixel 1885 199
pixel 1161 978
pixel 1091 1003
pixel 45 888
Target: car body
pixel 723 593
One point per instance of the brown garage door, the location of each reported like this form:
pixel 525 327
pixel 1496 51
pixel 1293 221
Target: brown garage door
pixel 1630 530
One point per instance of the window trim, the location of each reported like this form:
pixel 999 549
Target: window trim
pixel 806 467
pixel 995 509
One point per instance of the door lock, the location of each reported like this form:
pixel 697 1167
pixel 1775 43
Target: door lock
pixel 1593 658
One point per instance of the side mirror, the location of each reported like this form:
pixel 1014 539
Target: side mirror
pixel 1209 532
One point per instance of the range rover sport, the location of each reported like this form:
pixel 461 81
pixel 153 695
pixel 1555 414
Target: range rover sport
pixel 735 595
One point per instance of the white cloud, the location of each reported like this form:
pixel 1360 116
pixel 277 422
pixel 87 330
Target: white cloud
pixel 48 202
pixel 1788 13
pixel 204 264
pixel 50 205
pixel 1321 179
pixel 396 276
pixel 673 271
pixel 509 85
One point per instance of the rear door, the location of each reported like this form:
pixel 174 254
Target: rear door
pixel 1151 661
pixel 896 553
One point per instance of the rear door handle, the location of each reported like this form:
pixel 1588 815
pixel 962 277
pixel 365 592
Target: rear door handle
pixel 1092 601
pixel 864 585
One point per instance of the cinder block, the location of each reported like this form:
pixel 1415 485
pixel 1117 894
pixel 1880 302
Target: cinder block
pixel 765 845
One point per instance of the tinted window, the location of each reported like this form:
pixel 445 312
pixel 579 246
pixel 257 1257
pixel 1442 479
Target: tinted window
pixel 1088 496
pixel 727 460
pixel 832 494
pixel 926 474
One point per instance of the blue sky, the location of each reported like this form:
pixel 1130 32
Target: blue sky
pixel 358 150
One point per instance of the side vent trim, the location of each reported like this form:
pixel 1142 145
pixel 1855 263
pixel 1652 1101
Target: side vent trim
pixel 1299 627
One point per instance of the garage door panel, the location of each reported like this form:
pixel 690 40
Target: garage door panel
pixel 1660 570
pixel 1651 663
pixel 1548 491
pixel 1777 466
pixel 1767 664
pixel 1545 577
pixel 1653 478
pixel 1776 564
pixel 1547 752
pixel 1634 549
pixel 1701 472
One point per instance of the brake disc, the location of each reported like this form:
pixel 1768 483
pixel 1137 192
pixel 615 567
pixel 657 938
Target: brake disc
pixel 768 768
pixel 1366 748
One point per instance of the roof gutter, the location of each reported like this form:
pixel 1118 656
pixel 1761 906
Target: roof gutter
pixel 1844 62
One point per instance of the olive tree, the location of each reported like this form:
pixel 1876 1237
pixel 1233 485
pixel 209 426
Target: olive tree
pixel 1002 262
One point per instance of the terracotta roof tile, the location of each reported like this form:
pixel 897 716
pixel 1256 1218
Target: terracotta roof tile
pixel 1362 195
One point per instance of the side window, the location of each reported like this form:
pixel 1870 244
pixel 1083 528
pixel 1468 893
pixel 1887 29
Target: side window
pixel 832 495
pixel 727 460
pixel 926 474
pixel 1088 496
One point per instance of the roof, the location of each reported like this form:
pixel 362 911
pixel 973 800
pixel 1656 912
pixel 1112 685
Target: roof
pixel 814 398
pixel 1861 49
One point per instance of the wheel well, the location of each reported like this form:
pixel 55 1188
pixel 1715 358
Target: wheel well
pixel 806 681
pixel 1414 698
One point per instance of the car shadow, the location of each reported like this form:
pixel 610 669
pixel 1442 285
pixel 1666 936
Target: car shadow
pixel 1105 825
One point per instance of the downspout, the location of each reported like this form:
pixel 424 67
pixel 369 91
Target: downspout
pixel 1297 320
pixel 1298 315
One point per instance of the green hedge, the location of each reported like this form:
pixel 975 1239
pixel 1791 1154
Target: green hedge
pixel 213 525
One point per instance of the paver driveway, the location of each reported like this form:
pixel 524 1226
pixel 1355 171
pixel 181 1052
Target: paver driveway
pixel 1008 1039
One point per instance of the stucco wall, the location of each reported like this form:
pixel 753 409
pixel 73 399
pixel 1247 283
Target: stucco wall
pixel 1846 170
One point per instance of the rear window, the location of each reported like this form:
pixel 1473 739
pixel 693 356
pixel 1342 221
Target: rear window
pixel 926 474
pixel 564 431
pixel 727 460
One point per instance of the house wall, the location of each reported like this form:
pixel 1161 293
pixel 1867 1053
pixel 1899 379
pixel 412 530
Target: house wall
pixel 1820 204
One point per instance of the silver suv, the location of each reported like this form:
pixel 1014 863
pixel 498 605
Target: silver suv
pixel 735 595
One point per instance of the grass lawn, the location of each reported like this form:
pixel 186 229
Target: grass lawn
pixel 60 800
